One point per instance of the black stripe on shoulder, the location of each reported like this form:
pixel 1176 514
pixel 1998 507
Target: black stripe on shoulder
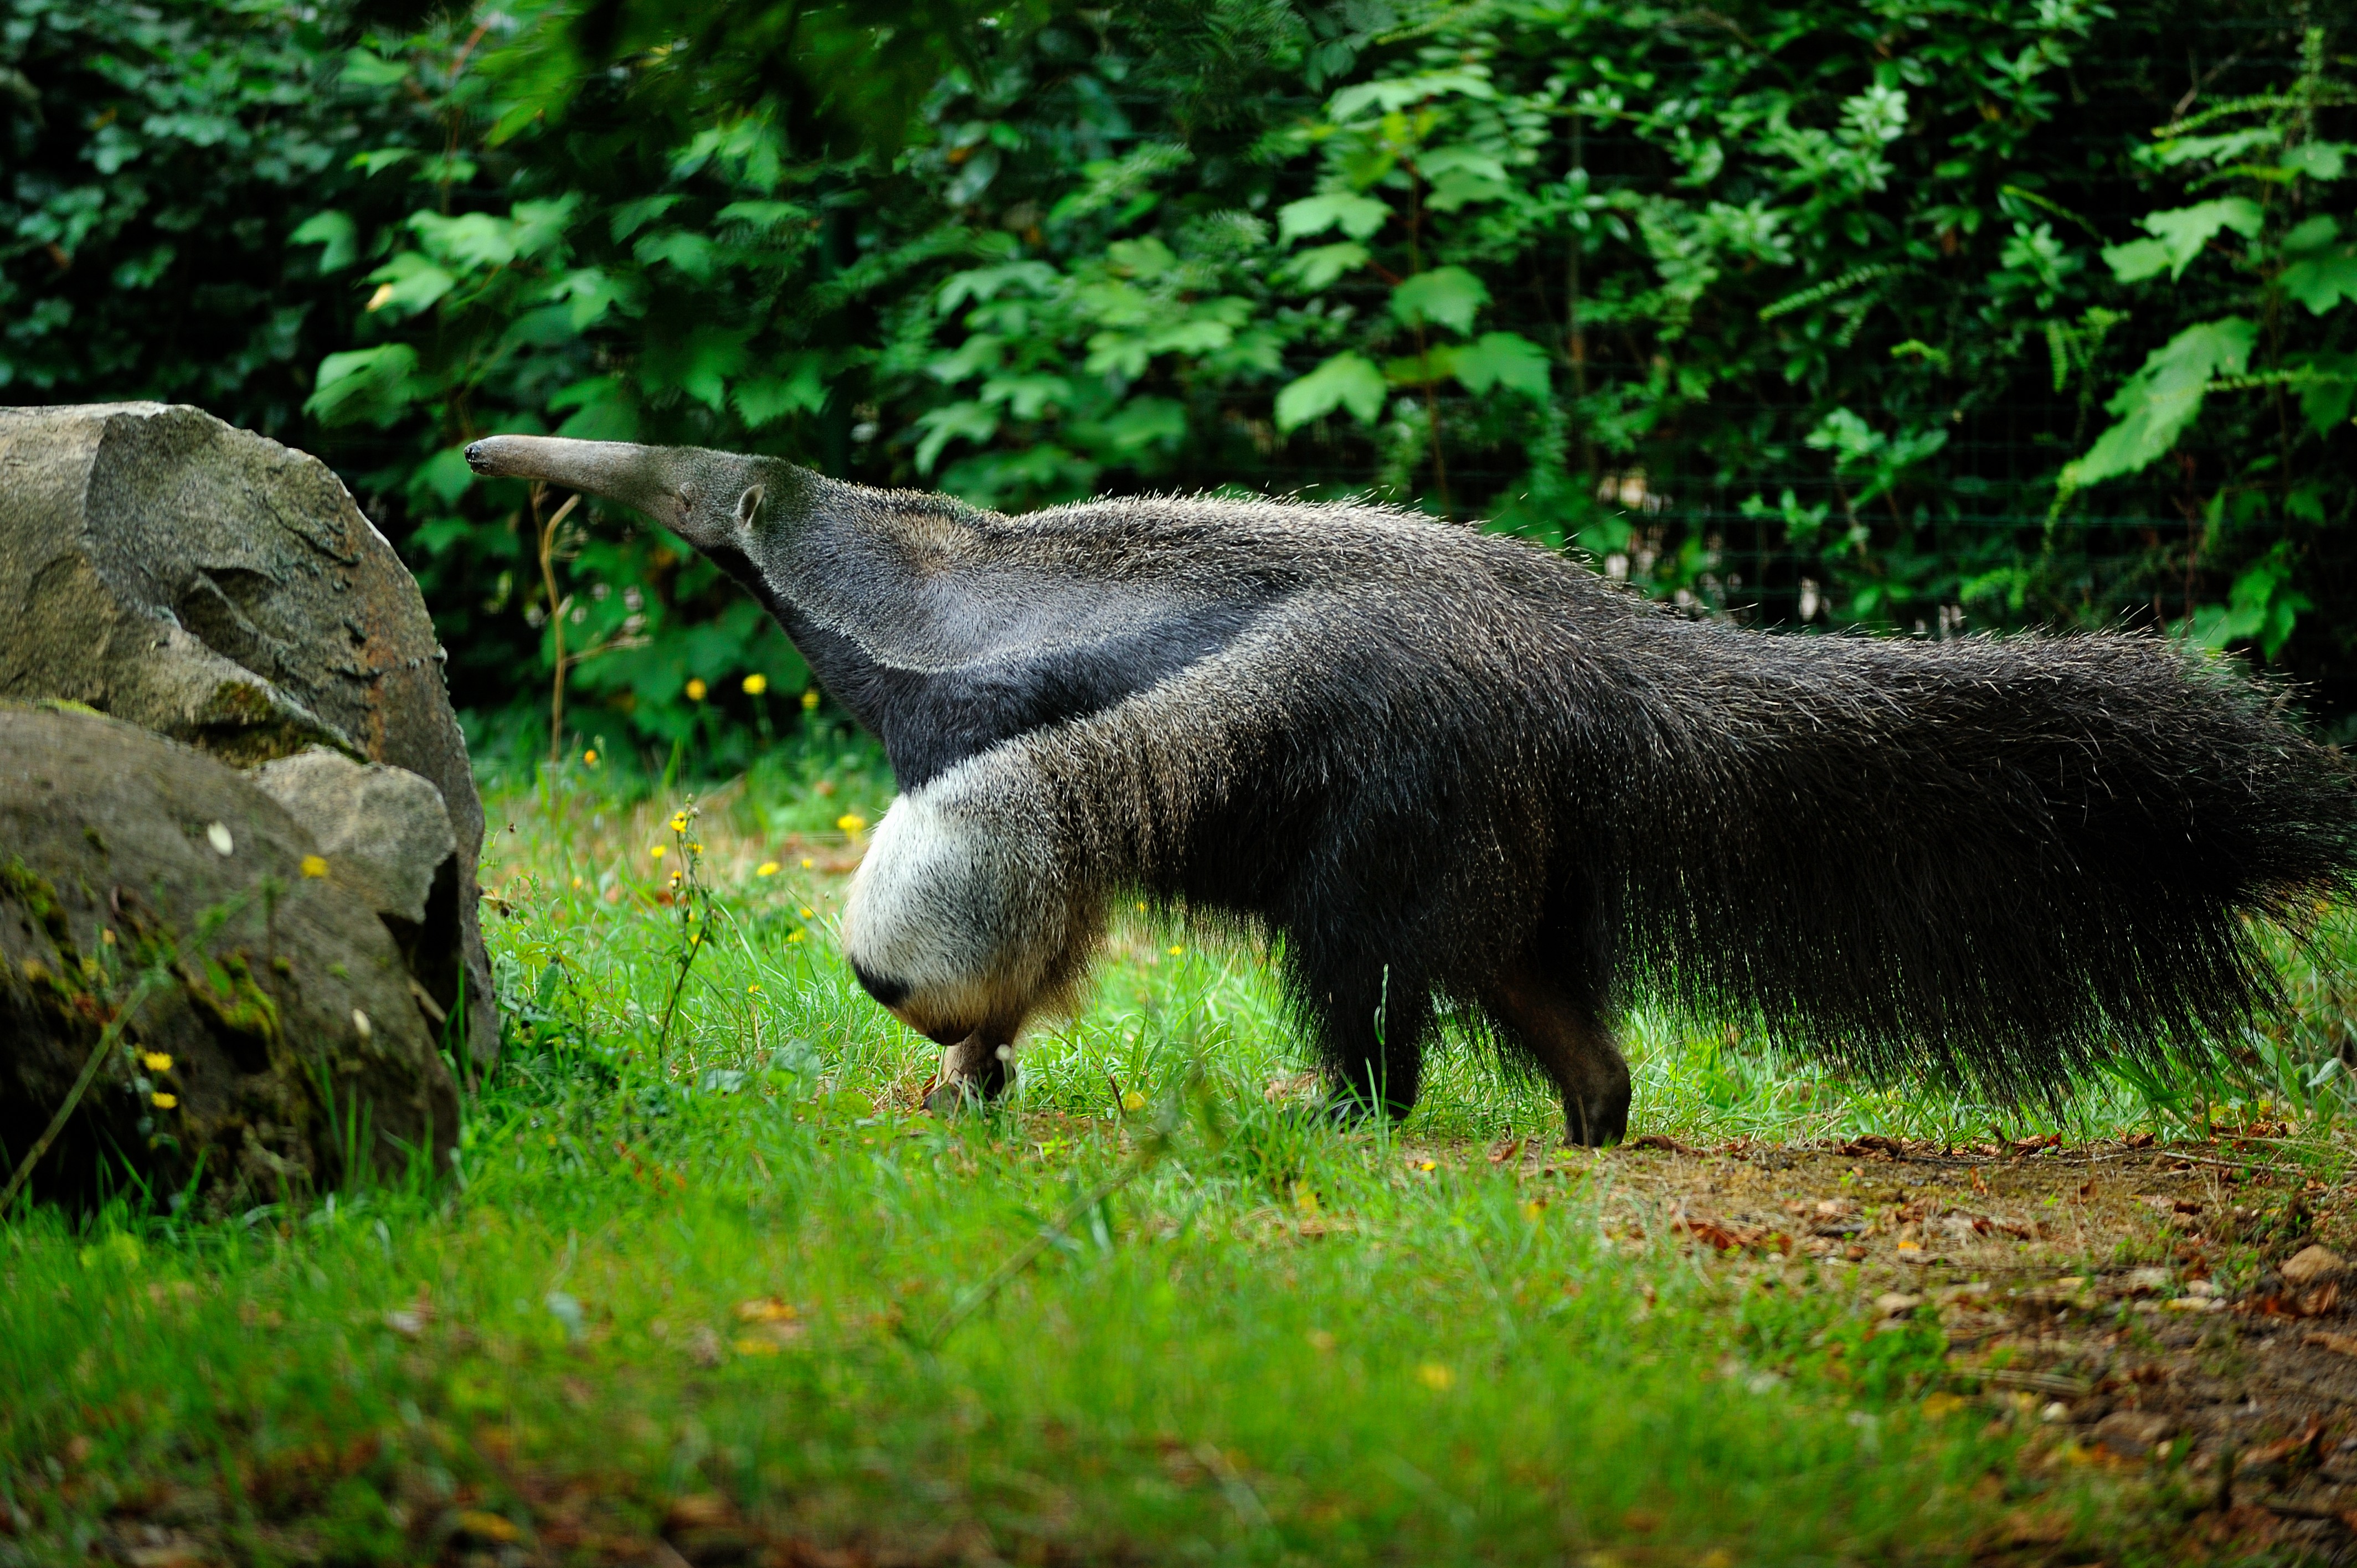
pixel 931 721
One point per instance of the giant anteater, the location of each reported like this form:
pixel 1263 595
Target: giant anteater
pixel 1449 770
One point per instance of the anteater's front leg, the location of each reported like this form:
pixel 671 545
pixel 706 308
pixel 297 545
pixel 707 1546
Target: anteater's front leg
pixel 963 921
pixel 974 1071
pixel 1565 1031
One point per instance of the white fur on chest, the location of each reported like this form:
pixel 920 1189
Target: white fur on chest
pixel 961 905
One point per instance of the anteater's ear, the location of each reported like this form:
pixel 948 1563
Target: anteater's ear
pixel 748 506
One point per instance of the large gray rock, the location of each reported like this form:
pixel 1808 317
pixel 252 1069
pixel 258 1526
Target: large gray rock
pixel 385 836
pixel 209 585
pixel 277 1020
pixel 383 829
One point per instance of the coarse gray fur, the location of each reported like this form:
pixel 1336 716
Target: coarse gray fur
pixel 1449 770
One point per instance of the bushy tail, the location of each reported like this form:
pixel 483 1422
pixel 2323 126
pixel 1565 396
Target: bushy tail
pixel 1998 860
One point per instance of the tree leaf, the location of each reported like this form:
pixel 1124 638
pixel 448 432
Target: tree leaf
pixel 1347 380
pixel 408 284
pixel 946 424
pixel 1360 216
pixel 690 253
pixel 2185 230
pixel 1398 92
pixel 335 232
pixel 1438 365
pixel 2137 259
pixel 1446 296
pixel 468 242
pixel 699 364
pixel 363 384
pixel 2316 160
pixel 2326 393
pixel 1317 267
pixel 1503 359
pixel 2161 400
pixel 795 384
pixel 2322 282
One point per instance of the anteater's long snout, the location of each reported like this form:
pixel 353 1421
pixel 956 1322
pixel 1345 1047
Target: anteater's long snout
pixel 638 477
pixel 602 467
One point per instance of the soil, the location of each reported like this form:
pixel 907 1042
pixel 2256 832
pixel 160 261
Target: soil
pixel 2180 1309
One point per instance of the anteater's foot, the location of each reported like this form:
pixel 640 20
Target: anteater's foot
pixel 973 1073
pixel 1344 1110
pixel 1600 1118
pixel 1349 1109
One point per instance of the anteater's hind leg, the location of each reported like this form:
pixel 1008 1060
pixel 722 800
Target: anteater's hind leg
pixel 1563 1028
pixel 1372 1028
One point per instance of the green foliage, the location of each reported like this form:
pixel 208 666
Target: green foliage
pixel 2281 474
pixel 157 160
pixel 1609 277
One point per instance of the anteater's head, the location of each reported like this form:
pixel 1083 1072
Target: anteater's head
pixel 718 502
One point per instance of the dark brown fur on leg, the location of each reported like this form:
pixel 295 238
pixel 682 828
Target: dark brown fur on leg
pixel 974 1071
pixel 1567 1038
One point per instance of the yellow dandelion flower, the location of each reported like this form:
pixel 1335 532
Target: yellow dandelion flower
pixel 1176 952
pixel 656 851
pixel 163 1102
pixel 810 699
pixel 156 1061
pixel 851 823
pixel 590 755
pixel 803 912
pixel 793 936
pixel 1426 1165
pixel 752 991
pixel 696 688
pixel 755 683
pixel 1133 1103
pixel 679 821
pixel 766 868
pixel 577 882
pixel 314 866
pixel 806 862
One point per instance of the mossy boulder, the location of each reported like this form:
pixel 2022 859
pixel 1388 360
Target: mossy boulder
pixel 214 587
pixel 269 1034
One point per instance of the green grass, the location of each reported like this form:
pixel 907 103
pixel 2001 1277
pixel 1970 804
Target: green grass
pixel 1274 1342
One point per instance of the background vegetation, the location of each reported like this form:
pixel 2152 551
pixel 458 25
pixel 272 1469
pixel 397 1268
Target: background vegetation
pixel 1921 317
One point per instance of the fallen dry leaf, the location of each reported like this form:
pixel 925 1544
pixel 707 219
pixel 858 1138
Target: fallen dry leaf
pixel 699 1511
pixel 767 1309
pixel 487 1526
pixel 2313 1265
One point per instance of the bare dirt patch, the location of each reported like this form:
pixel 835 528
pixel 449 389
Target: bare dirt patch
pixel 2184 1310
